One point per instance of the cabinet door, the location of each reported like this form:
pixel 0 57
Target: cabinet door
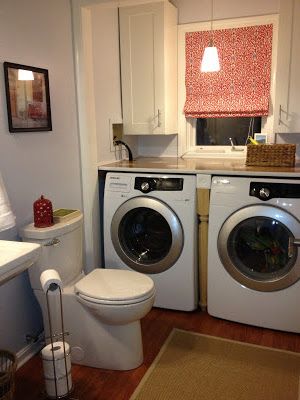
pixel 287 114
pixel 141 45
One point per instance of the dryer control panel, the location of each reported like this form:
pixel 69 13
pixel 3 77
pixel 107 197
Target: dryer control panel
pixel 266 191
pixel 146 184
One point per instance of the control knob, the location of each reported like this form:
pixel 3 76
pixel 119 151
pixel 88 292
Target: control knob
pixel 264 193
pixel 145 186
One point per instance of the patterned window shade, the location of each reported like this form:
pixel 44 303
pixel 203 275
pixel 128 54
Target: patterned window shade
pixel 242 87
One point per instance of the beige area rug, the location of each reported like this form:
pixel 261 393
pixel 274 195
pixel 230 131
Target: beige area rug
pixel 192 366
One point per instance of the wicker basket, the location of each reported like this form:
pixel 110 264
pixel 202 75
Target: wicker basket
pixel 271 155
pixel 7 375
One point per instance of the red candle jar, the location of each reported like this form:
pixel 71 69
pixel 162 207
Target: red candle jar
pixel 42 213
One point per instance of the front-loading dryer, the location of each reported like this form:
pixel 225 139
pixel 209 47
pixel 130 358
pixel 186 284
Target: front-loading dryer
pixel 150 226
pixel 253 257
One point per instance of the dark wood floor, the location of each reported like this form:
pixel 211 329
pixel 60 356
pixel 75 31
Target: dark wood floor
pixel 97 384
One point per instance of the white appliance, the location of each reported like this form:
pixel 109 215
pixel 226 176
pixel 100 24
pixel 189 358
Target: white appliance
pixel 253 260
pixel 150 226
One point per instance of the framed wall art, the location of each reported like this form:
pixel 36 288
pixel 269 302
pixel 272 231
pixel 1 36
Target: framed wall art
pixel 28 98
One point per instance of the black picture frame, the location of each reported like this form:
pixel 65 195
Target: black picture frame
pixel 27 97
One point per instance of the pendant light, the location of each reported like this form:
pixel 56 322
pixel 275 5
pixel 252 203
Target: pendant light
pixel 210 60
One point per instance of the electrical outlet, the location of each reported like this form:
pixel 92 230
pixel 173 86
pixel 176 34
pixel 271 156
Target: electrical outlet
pixel 116 132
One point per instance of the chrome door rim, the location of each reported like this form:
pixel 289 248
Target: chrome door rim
pixel 252 211
pixel 174 224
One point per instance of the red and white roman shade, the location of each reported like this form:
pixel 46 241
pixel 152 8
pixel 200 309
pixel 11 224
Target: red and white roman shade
pixel 242 86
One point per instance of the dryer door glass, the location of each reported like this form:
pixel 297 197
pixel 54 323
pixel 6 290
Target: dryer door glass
pixel 261 248
pixel 147 235
pixel 260 252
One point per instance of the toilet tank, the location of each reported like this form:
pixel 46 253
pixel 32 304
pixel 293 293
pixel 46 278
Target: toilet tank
pixel 61 249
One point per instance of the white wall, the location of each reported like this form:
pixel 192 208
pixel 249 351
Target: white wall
pixel 162 146
pixel 37 33
pixel 106 58
pixel 106 67
pixel 200 10
pixel 188 11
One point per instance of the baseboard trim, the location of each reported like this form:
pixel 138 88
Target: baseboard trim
pixel 28 352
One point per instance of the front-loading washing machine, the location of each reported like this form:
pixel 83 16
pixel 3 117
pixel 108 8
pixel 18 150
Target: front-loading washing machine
pixel 150 226
pixel 253 258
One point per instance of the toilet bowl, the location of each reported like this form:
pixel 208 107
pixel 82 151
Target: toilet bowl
pixel 102 310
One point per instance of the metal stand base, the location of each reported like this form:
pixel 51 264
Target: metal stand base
pixel 54 336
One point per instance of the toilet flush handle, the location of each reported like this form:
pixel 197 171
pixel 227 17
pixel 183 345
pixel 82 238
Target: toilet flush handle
pixel 53 242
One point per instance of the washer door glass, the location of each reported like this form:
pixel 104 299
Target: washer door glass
pixel 259 251
pixel 147 235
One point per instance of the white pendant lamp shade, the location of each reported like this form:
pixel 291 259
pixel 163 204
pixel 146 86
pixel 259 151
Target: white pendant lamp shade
pixel 210 60
pixel 7 218
pixel 25 75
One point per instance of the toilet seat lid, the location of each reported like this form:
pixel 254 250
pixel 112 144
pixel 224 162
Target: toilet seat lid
pixel 115 286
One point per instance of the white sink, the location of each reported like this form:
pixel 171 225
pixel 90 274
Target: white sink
pixel 238 153
pixel 15 257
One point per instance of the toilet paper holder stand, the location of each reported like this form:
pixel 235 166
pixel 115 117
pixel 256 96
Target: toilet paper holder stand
pixel 53 336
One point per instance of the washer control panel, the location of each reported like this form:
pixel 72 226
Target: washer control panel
pixel 146 184
pixel 266 191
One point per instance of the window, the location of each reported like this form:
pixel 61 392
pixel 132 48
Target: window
pixel 218 130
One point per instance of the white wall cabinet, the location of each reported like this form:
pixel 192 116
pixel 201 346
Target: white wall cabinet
pixel 148 48
pixel 287 110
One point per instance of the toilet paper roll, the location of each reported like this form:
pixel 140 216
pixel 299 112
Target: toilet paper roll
pixel 50 279
pixel 62 387
pixel 56 351
pixel 62 370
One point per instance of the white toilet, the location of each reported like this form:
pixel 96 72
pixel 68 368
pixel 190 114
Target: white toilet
pixel 102 310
